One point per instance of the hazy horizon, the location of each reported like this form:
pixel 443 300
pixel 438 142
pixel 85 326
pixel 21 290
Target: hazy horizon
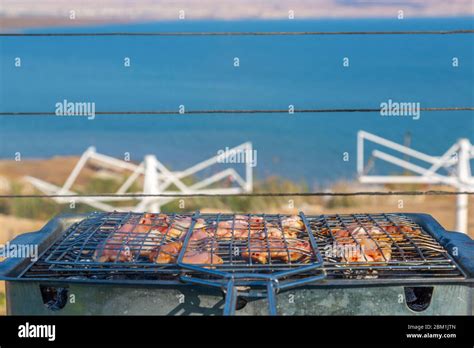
pixel 30 13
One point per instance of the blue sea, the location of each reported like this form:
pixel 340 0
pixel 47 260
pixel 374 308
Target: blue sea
pixel 274 72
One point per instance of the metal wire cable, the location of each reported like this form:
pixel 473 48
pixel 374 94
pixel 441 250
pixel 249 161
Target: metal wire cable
pixel 229 111
pixel 255 194
pixel 249 33
pixel 234 111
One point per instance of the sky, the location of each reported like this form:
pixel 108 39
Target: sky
pixel 144 10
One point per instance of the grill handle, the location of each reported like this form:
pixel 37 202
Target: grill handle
pixel 230 281
pixel 230 298
pixel 232 293
pixel 272 285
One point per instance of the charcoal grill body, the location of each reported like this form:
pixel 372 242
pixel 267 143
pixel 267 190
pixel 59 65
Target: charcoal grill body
pixel 25 298
pixel 73 296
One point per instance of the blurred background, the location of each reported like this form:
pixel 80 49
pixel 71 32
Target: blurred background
pixel 295 153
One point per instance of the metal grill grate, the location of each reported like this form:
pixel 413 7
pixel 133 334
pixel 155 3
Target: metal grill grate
pixel 379 245
pixel 252 242
pixel 120 242
pixel 137 246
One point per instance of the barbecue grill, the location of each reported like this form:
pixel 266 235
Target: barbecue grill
pixel 122 263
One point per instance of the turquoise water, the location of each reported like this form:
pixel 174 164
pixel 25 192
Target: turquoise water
pixel 274 72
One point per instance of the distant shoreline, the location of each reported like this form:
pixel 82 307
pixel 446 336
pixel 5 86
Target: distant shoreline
pixel 22 23
pixel 15 24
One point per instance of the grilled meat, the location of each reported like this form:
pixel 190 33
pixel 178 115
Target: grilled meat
pixel 114 249
pixel 178 228
pixel 154 236
pixel 276 249
pixel 159 239
pixel 199 235
pixel 166 253
pixel 169 252
pixel 202 258
pixel 244 226
pixel 364 244
pixel 276 233
pixel 292 225
pixel 400 233
pixel 240 228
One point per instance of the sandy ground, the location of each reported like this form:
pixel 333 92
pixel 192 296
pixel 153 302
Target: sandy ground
pixel 12 226
pixel 42 169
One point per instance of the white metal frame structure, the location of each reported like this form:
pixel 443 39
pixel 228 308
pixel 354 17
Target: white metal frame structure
pixel 157 179
pixel 455 161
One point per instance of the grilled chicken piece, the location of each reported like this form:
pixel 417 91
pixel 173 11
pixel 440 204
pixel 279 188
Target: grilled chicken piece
pixel 293 225
pixel 178 228
pixel 277 233
pixel 135 235
pixel 260 250
pixel 365 231
pixel 355 255
pixel 153 222
pixel 241 229
pixel 243 226
pixel 369 243
pixel 367 250
pixel 298 250
pixel 380 253
pixel 254 221
pixel 400 233
pixel 199 235
pixel 138 237
pixel 166 253
pixel 364 244
pixel 202 258
pixel 343 237
pixel 170 251
pixel 170 231
pixel 185 222
pixel 114 249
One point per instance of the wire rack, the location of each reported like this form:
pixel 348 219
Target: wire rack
pixel 121 242
pixel 136 246
pixel 251 242
pixel 379 245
